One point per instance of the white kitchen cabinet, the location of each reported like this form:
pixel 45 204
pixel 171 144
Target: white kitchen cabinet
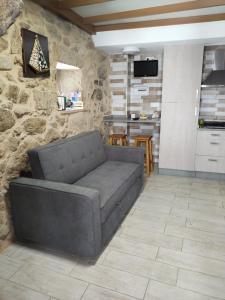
pixel 182 73
pixel 214 164
pixel 178 136
pixel 210 151
pixel 210 143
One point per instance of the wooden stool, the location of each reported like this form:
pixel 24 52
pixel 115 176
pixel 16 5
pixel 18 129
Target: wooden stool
pixel 148 150
pixel 121 138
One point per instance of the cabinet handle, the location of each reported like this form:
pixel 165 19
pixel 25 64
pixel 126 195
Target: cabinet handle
pixel 213 160
pixel 196 111
pixel 197 91
pixel 215 134
pixel 214 143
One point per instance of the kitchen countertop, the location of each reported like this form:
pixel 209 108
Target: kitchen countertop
pixel 124 119
pixel 210 129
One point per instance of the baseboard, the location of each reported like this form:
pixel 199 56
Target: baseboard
pixel 207 175
pixel 172 172
pixel 203 175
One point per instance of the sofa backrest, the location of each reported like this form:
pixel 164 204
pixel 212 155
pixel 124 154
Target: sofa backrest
pixel 67 160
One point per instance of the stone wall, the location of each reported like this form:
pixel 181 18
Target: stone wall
pixel 28 107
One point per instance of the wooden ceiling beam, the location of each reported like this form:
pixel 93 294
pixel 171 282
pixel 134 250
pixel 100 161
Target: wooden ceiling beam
pixel 170 8
pixel 76 3
pixel 66 14
pixel 161 22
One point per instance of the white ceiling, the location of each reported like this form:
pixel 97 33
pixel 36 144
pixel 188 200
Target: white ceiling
pixel 121 5
pixel 198 12
pixel 125 5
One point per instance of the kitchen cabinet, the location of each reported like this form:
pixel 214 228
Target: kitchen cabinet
pixel 210 151
pixel 182 72
pixel 177 139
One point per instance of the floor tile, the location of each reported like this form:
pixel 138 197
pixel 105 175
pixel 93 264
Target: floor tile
pixel 119 281
pixel 161 291
pixel 8 266
pixel 152 238
pixel 97 293
pixel 205 203
pixel 192 262
pixel 207 210
pixel 11 250
pixel 201 283
pixel 205 196
pixel 206 189
pixel 202 183
pixel 159 218
pixel 154 208
pixel 194 234
pixel 217 227
pixel 49 282
pixel 54 262
pixel 143 224
pixel 208 216
pixel 207 249
pixel 175 202
pixel 12 291
pixel 157 193
pixel 136 265
pixel 134 248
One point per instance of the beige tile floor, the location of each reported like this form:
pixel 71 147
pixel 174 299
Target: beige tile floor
pixel 171 246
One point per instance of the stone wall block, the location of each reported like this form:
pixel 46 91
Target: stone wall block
pixel 12 143
pixel 3 44
pixel 45 100
pixel 2 86
pixel 16 43
pixel 13 93
pixel 7 120
pixel 51 135
pixel 6 62
pixel 7 105
pixel 34 125
pixel 21 110
pixel 102 72
pixel 97 94
pixel 10 10
pixel 23 97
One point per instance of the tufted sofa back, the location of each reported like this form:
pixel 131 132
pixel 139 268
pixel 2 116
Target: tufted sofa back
pixel 67 160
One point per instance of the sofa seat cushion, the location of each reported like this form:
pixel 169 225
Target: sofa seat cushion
pixel 112 179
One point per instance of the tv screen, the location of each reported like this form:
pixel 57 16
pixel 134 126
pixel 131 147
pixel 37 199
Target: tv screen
pixel 145 68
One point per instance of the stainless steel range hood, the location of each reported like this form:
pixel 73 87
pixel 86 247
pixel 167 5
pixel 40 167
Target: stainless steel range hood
pixel 217 77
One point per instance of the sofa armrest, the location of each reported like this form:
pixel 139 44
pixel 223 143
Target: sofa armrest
pixel 127 154
pixel 57 215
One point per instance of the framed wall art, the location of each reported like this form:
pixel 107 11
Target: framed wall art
pixel 35 54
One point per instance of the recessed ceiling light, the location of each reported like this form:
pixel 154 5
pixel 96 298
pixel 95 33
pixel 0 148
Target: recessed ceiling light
pixel 62 66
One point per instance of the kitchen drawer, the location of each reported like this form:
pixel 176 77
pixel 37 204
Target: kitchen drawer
pixel 210 164
pixel 211 134
pixel 210 146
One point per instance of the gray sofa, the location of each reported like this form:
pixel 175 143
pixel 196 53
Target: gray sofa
pixel 79 194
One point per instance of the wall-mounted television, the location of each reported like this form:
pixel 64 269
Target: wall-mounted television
pixel 145 68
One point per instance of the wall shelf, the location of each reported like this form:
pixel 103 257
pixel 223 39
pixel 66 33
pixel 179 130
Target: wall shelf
pixel 74 111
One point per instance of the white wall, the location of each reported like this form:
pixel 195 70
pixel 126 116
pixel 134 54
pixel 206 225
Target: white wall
pixel 144 37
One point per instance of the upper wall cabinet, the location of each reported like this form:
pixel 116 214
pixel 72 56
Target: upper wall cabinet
pixel 182 71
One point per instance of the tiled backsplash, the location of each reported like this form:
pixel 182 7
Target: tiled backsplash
pixel 135 95
pixel 212 106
